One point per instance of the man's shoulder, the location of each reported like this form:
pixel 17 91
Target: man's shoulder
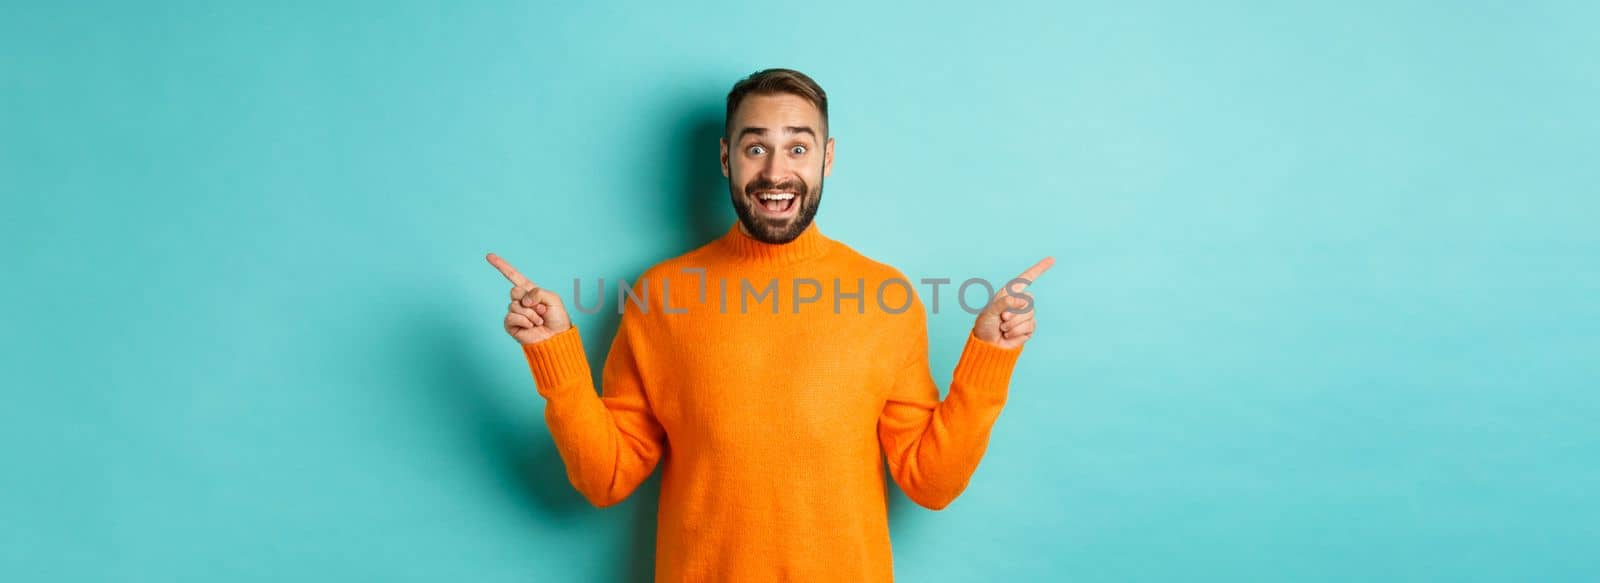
pixel 651 286
pixel 690 260
pixel 885 286
pixel 869 267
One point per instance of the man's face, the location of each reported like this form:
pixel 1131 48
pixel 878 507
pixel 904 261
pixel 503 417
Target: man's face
pixel 775 163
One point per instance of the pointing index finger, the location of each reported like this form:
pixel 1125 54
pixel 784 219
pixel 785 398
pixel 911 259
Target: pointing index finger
pixel 510 272
pixel 1038 269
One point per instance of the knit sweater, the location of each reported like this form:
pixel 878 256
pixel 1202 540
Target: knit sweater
pixel 771 411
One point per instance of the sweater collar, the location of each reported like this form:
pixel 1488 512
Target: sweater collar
pixel 811 243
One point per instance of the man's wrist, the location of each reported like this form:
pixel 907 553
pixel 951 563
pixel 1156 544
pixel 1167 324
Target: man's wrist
pixel 985 365
pixel 557 361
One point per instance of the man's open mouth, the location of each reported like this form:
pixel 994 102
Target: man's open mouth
pixel 776 203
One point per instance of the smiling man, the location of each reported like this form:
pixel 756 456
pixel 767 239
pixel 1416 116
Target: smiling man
pixel 771 373
pixel 771 168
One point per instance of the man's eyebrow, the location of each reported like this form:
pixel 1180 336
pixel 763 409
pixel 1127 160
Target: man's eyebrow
pixel 787 129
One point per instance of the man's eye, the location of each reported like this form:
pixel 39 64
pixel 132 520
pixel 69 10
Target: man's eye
pixel 757 150
pixel 798 150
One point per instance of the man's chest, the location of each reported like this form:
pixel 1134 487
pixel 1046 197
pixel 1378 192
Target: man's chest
pixel 788 378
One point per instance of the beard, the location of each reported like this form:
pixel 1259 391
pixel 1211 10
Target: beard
pixel 770 230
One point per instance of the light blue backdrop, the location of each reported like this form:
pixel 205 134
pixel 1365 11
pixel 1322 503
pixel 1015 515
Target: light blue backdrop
pixel 1324 308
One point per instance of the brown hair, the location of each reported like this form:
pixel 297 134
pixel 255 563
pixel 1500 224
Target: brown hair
pixel 772 82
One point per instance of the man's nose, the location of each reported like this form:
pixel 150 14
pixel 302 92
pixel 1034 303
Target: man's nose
pixel 775 168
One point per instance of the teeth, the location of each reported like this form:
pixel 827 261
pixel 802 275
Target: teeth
pixel 776 195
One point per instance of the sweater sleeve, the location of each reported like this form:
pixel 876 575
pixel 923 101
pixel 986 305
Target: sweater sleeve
pixel 934 446
pixel 611 442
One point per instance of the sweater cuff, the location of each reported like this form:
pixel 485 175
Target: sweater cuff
pixel 984 366
pixel 557 362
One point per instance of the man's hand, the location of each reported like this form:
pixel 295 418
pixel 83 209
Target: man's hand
pixel 535 313
pixel 1002 323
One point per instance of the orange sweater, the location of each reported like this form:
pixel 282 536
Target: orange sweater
pixel 771 426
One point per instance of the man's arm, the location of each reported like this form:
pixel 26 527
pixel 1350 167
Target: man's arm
pixel 611 442
pixel 934 446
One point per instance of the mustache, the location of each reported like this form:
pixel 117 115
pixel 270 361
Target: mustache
pixel 760 184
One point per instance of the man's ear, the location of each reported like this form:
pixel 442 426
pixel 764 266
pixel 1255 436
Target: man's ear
pixel 827 158
pixel 725 173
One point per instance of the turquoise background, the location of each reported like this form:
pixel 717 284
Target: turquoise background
pixel 1324 308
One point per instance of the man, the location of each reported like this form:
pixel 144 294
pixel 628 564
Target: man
pixel 771 420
